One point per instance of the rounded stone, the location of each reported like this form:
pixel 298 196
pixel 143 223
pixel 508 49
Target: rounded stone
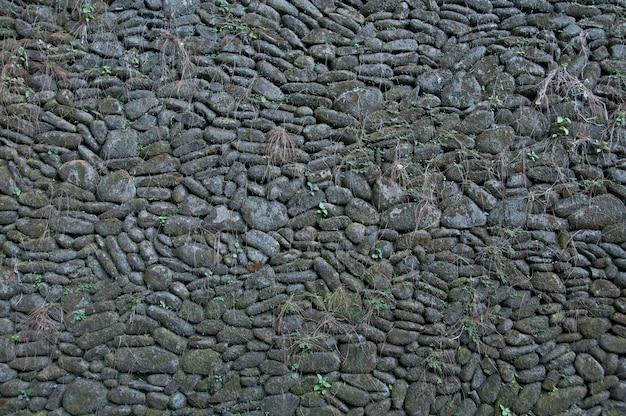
pixel 84 396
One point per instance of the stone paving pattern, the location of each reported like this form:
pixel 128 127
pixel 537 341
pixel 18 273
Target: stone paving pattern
pixel 313 207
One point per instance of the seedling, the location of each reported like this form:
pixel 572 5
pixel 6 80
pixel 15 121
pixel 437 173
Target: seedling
pixel 620 120
pixel 17 191
pixel 87 11
pixel 505 411
pixel 15 337
pixel 532 156
pixel 37 282
pixel 377 254
pixel 322 210
pixel 601 146
pixel 313 188
pixel 79 315
pixel 24 394
pixel 322 385
pixel 164 305
pixel 238 250
pixel 562 129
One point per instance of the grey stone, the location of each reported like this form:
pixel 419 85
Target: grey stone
pixel 264 215
pixel 157 277
pixel 509 213
pixel 462 212
pixel 262 241
pixel 117 187
pixel 495 140
pixel 462 91
pixel 84 396
pixel 79 173
pixel 120 144
pixel 419 397
pixel 411 216
pixel 150 359
pixel 282 404
pixel 360 102
pixel 560 400
pixel 362 212
pixel 358 358
pixel 320 362
pixel 220 218
pixel 197 255
pixel 588 367
pixel 601 211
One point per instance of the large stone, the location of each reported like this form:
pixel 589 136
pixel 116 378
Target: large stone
pixel 120 144
pixel 419 397
pixel 79 173
pixel 84 396
pixel 320 362
pixel 411 216
pixel 613 343
pixel 359 358
pixel 601 211
pixel 462 212
pixel 495 140
pixel 281 404
pixel 205 362
pixel 559 400
pixel 509 213
pixel 143 360
pixel 462 91
pixel 588 367
pixel 220 218
pixel 264 215
pixel 359 102
pixel 362 212
pixel 197 255
pixel 547 282
pixel 117 187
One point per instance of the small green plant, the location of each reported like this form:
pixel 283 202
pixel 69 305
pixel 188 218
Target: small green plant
pixel 106 70
pixel 377 254
pixel 164 305
pixel 80 315
pixel 85 287
pixel 87 11
pixel 322 210
pixel 620 119
pixel 433 362
pixel 505 411
pixel 218 378
pixel 601 146
pixel 322 385
pixel 19 58
pixel 17 191
pixel 37 281
pixel 15 337
pixel 24 394
pixel 312 187
pixel 163 219
pixel 532 156
pixel 562 127
pixel 237 250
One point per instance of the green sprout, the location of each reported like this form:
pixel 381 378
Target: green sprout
pixel 87 11
pixel 24 394
pixel 322 385
pixel 532 156
pixel 79 315
pixel 314 188
pixel 322 210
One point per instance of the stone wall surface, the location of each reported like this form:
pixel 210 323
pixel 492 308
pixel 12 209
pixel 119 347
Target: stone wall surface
pixel 313 207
